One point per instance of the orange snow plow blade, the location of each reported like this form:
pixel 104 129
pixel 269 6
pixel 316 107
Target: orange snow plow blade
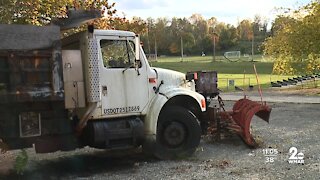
pixel 216 120
pixel 243 112
pixel 239 119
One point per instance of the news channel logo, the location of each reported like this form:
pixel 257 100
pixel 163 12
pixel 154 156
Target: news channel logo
pixel 295 157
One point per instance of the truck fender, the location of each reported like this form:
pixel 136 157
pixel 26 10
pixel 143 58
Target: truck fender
pixel 159 102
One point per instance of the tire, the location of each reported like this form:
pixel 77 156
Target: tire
pixel 178 133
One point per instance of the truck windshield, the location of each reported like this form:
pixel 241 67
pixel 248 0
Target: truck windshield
pixel 117 53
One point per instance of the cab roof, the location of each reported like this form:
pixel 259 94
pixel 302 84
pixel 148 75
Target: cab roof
pixel 113 33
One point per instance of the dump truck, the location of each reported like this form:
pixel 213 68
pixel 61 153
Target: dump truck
pixel 96 88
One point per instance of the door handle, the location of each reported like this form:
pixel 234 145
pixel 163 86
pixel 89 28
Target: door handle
pixel 104 90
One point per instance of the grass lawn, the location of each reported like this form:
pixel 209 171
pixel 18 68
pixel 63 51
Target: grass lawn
pixel 227 70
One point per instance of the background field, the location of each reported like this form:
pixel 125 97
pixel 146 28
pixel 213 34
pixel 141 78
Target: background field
pixel 227 70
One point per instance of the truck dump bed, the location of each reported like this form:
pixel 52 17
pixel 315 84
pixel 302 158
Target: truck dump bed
pixel 31 83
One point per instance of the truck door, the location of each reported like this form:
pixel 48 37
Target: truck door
pixel 124 82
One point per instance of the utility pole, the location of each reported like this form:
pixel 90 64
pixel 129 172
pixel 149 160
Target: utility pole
pixel 155 46
pixel 252 48
pixel 155 49
pixel 181 49
pixel 214 48
pixel 149 49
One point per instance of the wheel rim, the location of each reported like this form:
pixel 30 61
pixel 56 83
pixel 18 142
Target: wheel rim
pixel 174 134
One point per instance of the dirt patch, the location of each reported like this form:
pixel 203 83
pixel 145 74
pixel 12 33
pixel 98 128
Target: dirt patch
pixel 7 162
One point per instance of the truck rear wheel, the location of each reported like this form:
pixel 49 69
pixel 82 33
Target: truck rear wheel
pixel 178 133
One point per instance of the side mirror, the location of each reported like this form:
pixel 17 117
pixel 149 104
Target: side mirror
pixel 137 43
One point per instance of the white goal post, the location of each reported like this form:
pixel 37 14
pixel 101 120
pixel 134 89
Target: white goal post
pixel 232 55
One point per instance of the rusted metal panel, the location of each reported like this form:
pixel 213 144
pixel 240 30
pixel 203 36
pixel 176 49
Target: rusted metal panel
pixel 56 71
pixel 53 117
pixel 206 82
pixel 31 82
pixel 27 37
pixel 30 76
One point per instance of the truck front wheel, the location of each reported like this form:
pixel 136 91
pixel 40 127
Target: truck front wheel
pixel 178 133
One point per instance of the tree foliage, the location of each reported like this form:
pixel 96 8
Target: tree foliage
pixel 41 12
pixel 136 25
pixel 164 36
pixel 295 43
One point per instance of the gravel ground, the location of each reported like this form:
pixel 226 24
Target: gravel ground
pixel 291 125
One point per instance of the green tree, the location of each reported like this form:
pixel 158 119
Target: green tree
pixel 245 30
pixel 294 43
pixel 197 35
pixel 200 33
pixel 228 38
pixel 181 30
pixel 162 40
pixel 137 25
pixel 40 12
pixel 148 38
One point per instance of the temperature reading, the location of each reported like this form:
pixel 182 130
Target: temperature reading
pixel 270 154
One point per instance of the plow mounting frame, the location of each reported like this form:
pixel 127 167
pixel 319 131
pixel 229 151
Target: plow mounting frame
pixel 238 119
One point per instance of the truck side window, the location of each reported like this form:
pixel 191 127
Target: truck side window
pixel 117 53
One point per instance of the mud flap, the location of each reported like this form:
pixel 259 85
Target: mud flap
pixel 243 112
